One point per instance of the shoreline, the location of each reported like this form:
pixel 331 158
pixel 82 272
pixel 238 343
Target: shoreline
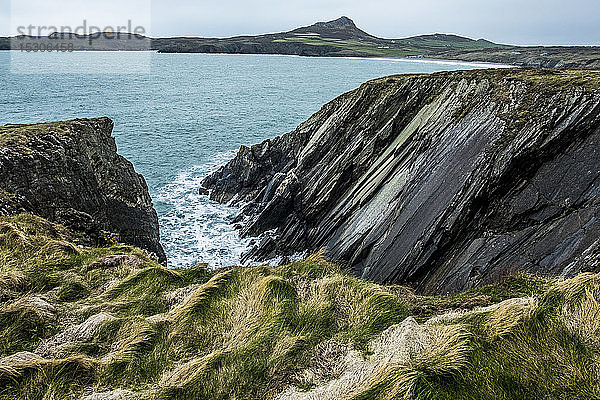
pixel 440 61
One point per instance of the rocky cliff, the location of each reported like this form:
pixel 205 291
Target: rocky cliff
pixel 444 182
pixel 70 172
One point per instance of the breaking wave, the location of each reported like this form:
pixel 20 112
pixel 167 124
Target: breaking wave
pixel 195 229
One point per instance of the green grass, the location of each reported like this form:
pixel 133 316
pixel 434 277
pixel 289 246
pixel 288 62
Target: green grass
pixel 366 49
pixel 20 135
pixel 249 333
pixel 550 80
pixel 430 46
pixel 549 352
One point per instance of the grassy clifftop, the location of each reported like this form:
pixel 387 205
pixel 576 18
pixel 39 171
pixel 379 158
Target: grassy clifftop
pixel 98 322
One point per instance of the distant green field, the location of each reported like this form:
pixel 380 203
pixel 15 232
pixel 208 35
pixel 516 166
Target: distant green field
pixel 393 48
pixel 370 49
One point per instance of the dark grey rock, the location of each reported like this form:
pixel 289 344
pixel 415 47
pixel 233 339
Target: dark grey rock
pixel 70 173
pixel 443 182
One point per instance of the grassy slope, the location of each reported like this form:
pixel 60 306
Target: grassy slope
pixel 420 45
pixel 442 46
pixel 20 135
pixel 249 333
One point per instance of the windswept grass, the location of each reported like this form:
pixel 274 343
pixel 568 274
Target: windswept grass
pixel 444 355
pixel 544 347
pixel 99 323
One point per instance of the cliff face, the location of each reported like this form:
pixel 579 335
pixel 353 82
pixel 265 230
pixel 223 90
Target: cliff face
pixel 444 182
pixel 70 173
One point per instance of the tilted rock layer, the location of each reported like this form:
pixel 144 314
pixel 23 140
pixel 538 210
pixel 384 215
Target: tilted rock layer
pixel 445 181
pixel 70 172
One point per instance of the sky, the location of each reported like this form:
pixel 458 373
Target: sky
pixel 527 22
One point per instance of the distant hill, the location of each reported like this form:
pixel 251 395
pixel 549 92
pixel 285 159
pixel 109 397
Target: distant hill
pixel 341 28
pixel 337 38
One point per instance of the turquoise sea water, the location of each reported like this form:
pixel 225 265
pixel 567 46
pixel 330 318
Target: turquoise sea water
pixel 178 116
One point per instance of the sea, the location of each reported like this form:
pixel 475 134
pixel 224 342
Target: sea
pixel 180 116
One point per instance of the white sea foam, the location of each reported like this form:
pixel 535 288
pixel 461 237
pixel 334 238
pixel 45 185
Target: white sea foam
pixel 195 229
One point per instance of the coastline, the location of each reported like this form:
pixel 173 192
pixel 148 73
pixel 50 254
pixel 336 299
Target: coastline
pixel 477 64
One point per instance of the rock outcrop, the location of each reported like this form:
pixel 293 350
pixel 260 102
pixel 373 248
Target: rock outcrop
pixel 70 173
pixel 444 182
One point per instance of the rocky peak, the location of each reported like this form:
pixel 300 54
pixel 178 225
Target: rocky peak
pixel 342 28
pixel 342 22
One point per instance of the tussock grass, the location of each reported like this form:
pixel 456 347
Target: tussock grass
pixel 534 348
pixel 47 379
pixel 445 354
pixel 199 301
pixel 251 330
pixel 145 279
pixel 23 322
pixel 256 332
pixel 506 316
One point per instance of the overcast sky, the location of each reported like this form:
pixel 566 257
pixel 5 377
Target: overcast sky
pixel 506 21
